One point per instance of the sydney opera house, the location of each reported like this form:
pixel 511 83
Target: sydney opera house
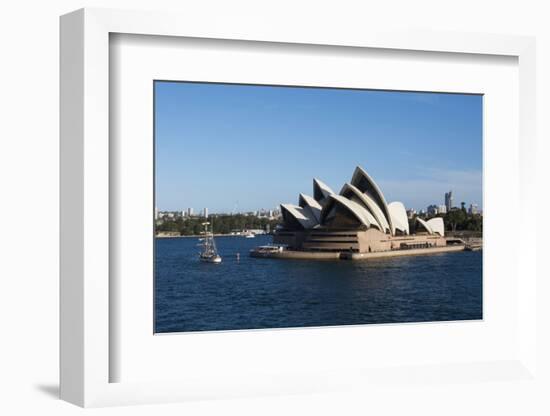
pixel 356 220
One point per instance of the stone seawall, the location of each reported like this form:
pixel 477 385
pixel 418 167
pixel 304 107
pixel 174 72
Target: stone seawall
pixel 345 255
pixel 297 255
pixel 398 253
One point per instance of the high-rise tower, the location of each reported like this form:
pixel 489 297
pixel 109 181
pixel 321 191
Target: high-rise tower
pixel 449 200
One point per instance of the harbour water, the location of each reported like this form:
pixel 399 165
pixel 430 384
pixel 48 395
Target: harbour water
pixel 254 293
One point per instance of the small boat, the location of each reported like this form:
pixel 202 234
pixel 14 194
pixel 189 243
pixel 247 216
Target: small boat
pixel 473 247
pixel 279 248
pixel 209 253
pixel 249 235
pixel 267 251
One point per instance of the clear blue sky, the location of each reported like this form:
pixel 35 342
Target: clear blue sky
pixel 250 147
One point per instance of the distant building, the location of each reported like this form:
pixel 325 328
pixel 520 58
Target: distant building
pixel 442 209
pixel 449 200
pixel 473 210
pixel 432 210
pixel 156 213
pixel 189 212
pixel 205 212
pixel 263 213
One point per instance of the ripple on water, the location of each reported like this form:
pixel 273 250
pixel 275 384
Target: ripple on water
pixel 265 293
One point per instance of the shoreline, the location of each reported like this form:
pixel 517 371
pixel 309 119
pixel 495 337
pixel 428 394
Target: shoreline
pixel 201 235
pixel 342 255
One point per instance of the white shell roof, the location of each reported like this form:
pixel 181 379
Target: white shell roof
pixel 398 216
pixel 360 212
pixel 370 204
pixel 323 188
pixel 309 203
pixel 425 225
pixel 364 199
pixel 303 216
pixel 437 226
pixel 358 176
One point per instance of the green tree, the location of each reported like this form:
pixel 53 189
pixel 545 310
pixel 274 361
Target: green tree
pixel 221 224
pixel 455 219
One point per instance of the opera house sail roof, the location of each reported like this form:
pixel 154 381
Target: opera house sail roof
pixel 359 205
pixel 321 191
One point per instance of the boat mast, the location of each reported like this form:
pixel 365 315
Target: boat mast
pixel 214 249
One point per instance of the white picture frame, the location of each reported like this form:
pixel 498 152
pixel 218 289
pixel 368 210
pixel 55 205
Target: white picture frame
pixel 86 355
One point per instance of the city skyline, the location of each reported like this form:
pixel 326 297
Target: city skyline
pixel 188 211
pixel 236 148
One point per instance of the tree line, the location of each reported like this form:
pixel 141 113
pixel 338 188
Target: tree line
pixel 219 224
pixel 458 219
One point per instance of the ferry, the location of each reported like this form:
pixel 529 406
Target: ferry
pixel 267 251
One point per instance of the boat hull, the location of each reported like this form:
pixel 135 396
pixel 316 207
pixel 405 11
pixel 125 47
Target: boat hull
pixel 215 259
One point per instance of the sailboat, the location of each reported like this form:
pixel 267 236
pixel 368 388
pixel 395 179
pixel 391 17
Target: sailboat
pixel 209 253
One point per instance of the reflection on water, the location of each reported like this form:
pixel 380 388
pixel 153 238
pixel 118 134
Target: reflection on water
pixel 267 293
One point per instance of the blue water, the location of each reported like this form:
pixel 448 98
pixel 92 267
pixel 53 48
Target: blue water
pixel 269 293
